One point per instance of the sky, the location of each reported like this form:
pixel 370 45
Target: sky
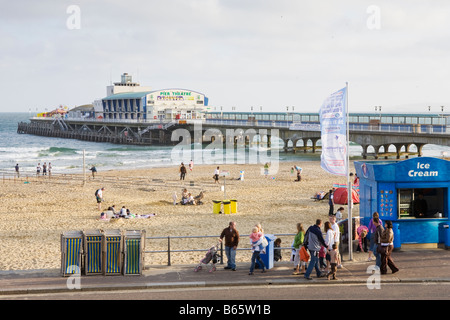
pixel 264 54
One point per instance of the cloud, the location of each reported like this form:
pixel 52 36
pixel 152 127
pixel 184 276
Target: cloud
pixel 239 53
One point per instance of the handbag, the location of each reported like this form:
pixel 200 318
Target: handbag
pixel 304 255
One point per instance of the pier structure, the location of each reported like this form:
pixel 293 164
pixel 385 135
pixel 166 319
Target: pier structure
pixel 375 143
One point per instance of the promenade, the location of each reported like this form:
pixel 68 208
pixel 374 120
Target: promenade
pixel 416 266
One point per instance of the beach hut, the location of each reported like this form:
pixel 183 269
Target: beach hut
pixel 134 244
pixel 414 194
pixel 71 252
pixel 93 252
pixel 113 252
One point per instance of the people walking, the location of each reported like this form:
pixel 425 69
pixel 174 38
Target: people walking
pixel 182 171
pixel 314 240
pixel 387 246
pixel 337 239
pixel 331 202
pixel 94 171
pixel 298 242
pixel 377 240
pixel 231 236
pixel 216 175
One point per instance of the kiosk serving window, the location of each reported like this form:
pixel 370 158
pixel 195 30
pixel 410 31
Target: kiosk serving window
pixel 421 203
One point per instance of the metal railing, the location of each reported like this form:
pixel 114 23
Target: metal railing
pixel 169 251
pixel 394 128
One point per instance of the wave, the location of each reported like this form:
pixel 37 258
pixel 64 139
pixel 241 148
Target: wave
pixel 57 151
pixel 62 150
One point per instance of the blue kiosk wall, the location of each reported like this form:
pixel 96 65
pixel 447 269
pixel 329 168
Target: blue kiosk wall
pixel 394 189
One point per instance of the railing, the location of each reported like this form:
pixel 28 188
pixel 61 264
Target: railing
pixel 169 251
pixel 393 128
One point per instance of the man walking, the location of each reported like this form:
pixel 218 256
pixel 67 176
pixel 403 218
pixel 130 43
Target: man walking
pixel 337 237
pixel 231 236
pixel 182 171
pixel 314 241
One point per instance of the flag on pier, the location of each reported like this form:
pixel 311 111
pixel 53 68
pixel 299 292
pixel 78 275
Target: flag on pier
pixel 333 126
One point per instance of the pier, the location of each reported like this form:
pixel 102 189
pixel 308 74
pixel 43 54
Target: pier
pixel 376 142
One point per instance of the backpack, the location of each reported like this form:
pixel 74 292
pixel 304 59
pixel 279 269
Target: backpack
pixel 96 192
pixel 306 239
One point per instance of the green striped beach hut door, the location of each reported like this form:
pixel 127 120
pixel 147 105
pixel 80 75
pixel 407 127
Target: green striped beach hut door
pixel 113 252
pixel 93 242
pixel 134 243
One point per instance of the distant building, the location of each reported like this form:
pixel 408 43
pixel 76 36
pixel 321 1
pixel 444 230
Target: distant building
pixel 84 111
pixel 126 84
pixel 128 100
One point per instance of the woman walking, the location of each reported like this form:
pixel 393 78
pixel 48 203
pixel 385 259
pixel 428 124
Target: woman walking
pixel 298 242
pixel 386 248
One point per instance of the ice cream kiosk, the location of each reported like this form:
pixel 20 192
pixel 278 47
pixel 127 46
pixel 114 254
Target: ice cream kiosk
pixel 413 194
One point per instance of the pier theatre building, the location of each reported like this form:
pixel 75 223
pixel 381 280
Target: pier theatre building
pixel 128 100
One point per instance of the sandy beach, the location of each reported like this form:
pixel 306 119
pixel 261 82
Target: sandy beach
pixel 36 211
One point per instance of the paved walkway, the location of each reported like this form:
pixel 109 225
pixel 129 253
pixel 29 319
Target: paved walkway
pixel 416 265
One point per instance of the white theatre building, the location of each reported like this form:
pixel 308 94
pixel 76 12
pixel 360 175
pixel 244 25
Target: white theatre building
pixel 127 100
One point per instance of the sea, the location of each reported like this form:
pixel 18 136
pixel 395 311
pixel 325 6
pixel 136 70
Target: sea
pixel 72 156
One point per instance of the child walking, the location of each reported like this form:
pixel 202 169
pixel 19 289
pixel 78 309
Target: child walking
pixel 333 262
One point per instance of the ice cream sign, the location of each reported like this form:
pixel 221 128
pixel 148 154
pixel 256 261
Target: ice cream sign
pixel 423 170
pixel 420 169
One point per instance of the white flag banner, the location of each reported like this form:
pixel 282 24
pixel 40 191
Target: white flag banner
pixel 333 126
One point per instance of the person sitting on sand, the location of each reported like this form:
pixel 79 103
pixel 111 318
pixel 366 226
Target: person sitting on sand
pixel 319 195
pixel 123 212
pixel 112 208
pixel 129 215
pixel 184 195
pixel 190 199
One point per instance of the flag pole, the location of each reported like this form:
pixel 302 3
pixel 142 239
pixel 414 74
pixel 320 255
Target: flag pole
pixel 349 183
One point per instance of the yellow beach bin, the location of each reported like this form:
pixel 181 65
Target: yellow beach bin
pixel 226 206
pixel 233 206
pixel 216 206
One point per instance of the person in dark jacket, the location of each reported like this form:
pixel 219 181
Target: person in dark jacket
pixel 231 236
pixel 315 241
pixel 182 171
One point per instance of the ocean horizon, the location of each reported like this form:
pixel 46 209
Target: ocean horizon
pixel 66 155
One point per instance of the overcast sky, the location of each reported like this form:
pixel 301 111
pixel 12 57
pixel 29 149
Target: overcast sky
pixel 260 53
